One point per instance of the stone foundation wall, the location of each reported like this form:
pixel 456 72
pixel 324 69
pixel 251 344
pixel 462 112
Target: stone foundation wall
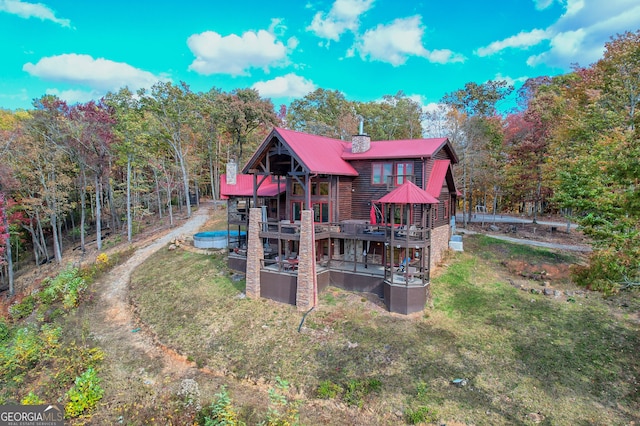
pixel 439 244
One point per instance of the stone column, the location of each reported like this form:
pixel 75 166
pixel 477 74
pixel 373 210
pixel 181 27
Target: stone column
pixel 255 252
pixel 439 244
pixel 306 294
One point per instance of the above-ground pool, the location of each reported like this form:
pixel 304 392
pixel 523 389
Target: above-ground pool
pixel 216 239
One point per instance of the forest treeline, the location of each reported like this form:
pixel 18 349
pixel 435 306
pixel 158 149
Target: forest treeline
pixel 570 146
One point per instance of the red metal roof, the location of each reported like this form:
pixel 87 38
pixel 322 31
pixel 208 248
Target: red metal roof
pixel 405 148
pixel 436 178
pixel 408 193
pixel 244 187
pixel 321 155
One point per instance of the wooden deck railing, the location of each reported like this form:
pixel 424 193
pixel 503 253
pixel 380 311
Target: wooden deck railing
pixel 347 229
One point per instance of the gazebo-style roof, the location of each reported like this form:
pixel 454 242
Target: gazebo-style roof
pixel 408 193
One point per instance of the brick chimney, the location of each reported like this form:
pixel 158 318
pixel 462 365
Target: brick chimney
pixel 232 172
pixel 360 143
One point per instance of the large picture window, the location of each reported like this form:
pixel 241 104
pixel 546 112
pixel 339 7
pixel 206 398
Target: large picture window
pixel 321 212
pixel 403 170
pixel 380 173
pixel 297 189
pixel 320 188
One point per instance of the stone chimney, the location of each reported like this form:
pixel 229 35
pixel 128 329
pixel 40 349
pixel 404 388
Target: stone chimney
pixel 360 142
pixel 232 172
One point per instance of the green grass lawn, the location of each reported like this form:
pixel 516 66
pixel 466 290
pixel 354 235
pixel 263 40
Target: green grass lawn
pixel 572 360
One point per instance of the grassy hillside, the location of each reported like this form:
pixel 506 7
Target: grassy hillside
pixel 564 359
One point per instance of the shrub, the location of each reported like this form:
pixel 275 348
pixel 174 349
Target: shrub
pixel 23 351
pixel 5 330
pixel 24 308
pixel 356 390
pixel 72 291
pixel 328 390
pixel 281 412
pixel 102 260
pixel 49 292
pixel 220 412
pixel 84 395
pixel 66 286
pixel 31 399
pixel 26 348
pixel 420 415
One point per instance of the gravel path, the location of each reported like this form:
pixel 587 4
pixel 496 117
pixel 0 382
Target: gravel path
pixel 114 319
pixel 584 249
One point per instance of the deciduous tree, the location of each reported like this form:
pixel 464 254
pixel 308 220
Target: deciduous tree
pixel 324 112
pixel 477 106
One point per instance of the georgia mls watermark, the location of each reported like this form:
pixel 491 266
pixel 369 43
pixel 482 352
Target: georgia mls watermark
pixel 32 415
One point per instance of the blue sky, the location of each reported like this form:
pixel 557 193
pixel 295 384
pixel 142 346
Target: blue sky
pixel 79 50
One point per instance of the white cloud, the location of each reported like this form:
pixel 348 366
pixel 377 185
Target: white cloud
pixel 579 34
pixel 277 26
pixel 433 107
pixel 523 39
pixel 574 6
pixel 287 86
pixel 32 10
pixel 444 56
pixel 234 54
pixel 343 16
pixel 542 4
pixel 567 45
pixel 292 43
pixel 75 96
pixel 21 95
pixel 510 80
pixel 99 74
pixel 396 42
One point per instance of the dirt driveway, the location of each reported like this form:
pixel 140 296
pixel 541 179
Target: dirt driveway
pixel 142 377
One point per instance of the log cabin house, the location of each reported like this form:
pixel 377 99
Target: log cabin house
pixel 311 211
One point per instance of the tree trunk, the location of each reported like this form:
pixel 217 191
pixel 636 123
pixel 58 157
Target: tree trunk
pixel 83 210
pixel 185 183
pixel 170 208
pixel 196 188
pixel 535 204
pixel 5 223
pixel 43 240
pixel 159 195
pixel 60 239
pixel 116 225
pixel 470 200
pixel 37 248
pixel 464 197
pixel 98 214
pixel 56 243
pixel 129 225
pixel 211 178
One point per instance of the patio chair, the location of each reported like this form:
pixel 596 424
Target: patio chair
pixel 403 265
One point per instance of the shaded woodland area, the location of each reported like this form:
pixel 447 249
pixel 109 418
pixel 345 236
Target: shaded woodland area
pixel 76 172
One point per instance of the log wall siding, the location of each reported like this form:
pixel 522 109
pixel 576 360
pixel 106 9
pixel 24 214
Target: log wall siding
pixel 345 185
pixel 441 155
pixel 364 192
